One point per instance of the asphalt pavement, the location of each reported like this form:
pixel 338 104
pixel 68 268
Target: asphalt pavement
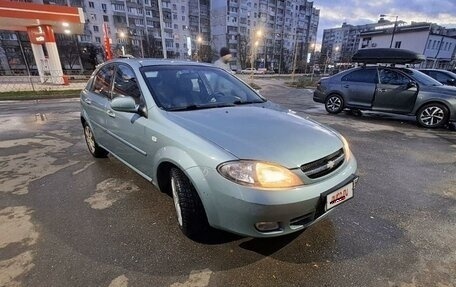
pixel 67 219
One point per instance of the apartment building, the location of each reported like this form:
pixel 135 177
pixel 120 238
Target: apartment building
pixel 134 27
pixel 269 31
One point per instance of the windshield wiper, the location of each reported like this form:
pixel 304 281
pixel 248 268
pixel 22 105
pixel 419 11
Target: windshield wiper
pixel 239 102
pixel 199 107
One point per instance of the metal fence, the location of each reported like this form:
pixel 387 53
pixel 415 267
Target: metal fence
pixel 44 83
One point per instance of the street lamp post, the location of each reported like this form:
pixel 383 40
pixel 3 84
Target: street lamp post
pixel 258 35
pixel 199 40
pixel 394 27
pixel 313 59
pixel 122 36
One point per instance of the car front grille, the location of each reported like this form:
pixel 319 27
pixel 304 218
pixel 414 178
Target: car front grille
pixel 324 166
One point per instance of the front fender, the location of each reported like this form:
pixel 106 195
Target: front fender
pixel 185 162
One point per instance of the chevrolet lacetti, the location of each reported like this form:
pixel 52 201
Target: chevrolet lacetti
pixel 231 159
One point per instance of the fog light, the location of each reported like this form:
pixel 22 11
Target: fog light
pixel 267 226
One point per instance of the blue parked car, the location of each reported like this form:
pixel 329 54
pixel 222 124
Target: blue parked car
pixel 231 159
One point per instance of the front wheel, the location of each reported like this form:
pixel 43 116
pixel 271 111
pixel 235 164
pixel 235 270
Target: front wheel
pixel 334 104
pixel 189 208
pixel 433 115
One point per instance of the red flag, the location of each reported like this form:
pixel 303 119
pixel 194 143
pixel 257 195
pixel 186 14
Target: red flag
pixel 107 42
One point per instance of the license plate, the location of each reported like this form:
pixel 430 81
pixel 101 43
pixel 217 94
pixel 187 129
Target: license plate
pixel 337 197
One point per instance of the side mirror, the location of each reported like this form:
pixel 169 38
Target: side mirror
pixel 412 85
pixel 124 104
pixel 451 82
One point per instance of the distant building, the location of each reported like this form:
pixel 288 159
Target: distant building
pixel 340 44
pixel 435 42
pixel 268 31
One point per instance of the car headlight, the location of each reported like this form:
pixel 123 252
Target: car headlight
pixel 346 146
pixel 259 174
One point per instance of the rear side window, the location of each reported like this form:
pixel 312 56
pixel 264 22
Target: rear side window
pixel 125 84
pixel 362 76
pixel 103 80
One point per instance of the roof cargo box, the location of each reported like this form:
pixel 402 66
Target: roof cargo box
pixel 387 56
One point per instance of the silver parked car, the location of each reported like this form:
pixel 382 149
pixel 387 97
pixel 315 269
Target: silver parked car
pixel 230 158
pixel 394 90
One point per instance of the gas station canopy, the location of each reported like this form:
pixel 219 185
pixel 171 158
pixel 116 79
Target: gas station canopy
pixel 17 16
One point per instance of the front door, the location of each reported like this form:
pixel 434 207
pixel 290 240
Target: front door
pixel 127 131
pixel 395 92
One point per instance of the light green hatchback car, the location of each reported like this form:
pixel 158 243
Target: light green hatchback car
pixel 231 159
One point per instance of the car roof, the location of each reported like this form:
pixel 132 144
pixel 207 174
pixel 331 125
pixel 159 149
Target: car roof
pixel 143 62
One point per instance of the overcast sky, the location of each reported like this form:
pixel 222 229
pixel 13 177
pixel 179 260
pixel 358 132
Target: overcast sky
pixel 334 12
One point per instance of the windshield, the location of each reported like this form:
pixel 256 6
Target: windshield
pixel 190 87
pixel 421 78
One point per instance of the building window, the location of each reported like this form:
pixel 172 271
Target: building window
pixel 183 18
pixel 105 18
pixel 174 16
pixel 398 44
pixel 97 39
pixel 429 44
pixel 176 26
pixel 104 7
pixel 91 4
pixel 95 28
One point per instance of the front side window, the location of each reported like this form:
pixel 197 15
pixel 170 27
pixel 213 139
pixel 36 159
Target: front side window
pixel 125 84
pixel 194 87
pixel 362 76
pixel 103 80
pixel 390 77
pixel 439 76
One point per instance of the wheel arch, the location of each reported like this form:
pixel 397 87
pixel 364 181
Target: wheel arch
pixel 173 157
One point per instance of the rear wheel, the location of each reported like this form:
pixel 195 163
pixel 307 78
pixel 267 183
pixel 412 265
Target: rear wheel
pixel 189 208
pixel 94 148
pixel 433 115
pixel 334 104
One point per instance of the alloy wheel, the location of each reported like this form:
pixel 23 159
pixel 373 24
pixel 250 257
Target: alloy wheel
pixel 89 138
pixel 334 104
pixel 176 200
pixel 432 116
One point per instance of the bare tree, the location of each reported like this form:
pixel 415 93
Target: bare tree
pixel 243 51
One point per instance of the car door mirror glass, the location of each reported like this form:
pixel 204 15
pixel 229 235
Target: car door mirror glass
pixel 124 104
pixel 412 85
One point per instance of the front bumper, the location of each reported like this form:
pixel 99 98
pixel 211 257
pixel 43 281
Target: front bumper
pixel 237 208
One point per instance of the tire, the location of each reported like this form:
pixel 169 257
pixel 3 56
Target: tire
pixel 190 212
pixel 433 115
pixel 334 104
pixel 92 145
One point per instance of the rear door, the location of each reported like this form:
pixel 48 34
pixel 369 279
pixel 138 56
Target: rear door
pixel 95 100
pixel 358 87
pixel 394 92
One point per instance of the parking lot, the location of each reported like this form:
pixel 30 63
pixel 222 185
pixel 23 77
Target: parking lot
pixel 67 219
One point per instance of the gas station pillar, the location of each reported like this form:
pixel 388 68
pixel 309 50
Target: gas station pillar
pixel 46 54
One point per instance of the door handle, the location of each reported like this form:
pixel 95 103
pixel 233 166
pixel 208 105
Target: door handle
pixel 382 90
pixel 111 113
pixel 87 101
pixel 346 86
